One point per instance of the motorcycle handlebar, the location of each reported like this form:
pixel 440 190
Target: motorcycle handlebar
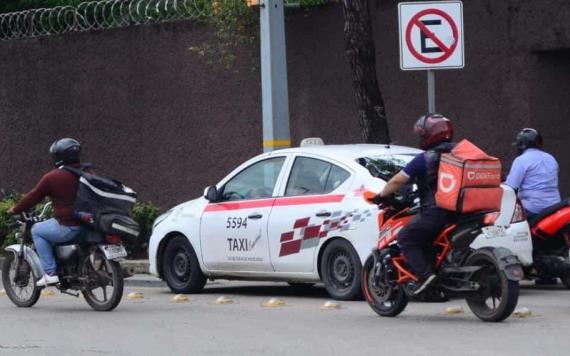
pixel 397 202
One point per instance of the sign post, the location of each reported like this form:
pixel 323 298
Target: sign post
pixel 275 97
pixel 431 37
pixel 431 90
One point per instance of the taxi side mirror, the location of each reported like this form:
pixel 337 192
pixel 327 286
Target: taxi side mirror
pixel 211 194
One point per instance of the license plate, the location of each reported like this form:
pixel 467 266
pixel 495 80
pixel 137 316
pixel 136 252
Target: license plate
pixel 113 252
pixel 494 232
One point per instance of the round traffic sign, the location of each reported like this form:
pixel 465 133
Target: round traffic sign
pixel 446 51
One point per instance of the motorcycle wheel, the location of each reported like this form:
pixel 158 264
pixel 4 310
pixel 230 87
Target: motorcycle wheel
pixel 384 300
pixel 102 275
pixel 19 284
pixel 565 279
pixel 498 296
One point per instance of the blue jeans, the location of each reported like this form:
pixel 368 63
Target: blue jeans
pixel 48 234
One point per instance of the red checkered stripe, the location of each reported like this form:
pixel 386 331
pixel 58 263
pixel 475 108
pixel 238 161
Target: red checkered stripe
pixel 291 245
pixel 292 241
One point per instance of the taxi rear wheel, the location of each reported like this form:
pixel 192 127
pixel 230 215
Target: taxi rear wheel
pixel 181 268
pixel 341 270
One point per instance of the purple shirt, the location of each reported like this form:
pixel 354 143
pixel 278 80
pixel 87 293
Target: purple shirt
pixel 535 175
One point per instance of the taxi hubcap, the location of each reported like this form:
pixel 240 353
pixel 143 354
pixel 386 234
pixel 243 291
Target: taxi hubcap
pixel 341 268
pixel 181 265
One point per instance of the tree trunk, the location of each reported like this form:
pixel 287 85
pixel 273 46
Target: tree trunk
pixel 362 57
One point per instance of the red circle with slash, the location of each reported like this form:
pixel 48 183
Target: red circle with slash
pixel 447 51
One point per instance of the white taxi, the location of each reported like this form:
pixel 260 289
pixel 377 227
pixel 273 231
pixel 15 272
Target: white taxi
pixel 294 215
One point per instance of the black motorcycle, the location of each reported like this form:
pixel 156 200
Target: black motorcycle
pixel 87 265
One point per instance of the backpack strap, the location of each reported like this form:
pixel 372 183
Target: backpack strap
pixel 77 171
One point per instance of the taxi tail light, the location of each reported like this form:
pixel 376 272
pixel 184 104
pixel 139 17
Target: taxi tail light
pixel 113 239
pixel 519 214
pixel 490 218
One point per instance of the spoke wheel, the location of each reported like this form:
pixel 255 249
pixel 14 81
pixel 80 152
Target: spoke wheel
pixel 498 296
pixel 18 281
pixel 103 288
pixel 380 291
pixel 341 269
pixel 181 268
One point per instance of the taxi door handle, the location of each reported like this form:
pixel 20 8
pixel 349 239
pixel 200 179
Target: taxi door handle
pixel 255 216
pixel 323 214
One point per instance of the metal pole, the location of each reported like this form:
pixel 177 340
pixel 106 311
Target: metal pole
pixel 274 76
pixel 431 90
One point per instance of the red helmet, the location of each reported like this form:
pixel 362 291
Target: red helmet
pixel 433 129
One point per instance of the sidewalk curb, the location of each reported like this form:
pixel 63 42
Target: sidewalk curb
pixel 136 266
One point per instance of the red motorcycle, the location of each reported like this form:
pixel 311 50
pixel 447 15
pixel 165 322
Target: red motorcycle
pixel 551 244
pixel 487 277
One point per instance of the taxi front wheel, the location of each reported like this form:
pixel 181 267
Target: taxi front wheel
pixel 181 268
pixel 341 270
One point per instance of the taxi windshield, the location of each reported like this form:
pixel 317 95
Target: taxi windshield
pixel 385 166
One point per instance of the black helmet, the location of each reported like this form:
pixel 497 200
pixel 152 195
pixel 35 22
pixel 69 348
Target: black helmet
pixel 528 138
pixel 65 151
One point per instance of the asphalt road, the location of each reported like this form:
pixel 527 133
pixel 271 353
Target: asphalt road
pixel 64 325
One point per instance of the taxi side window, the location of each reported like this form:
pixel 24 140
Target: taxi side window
pixel 336 177
pixel 313 176
pixel 255 182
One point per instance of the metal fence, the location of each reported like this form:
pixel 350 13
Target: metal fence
pixel 105 14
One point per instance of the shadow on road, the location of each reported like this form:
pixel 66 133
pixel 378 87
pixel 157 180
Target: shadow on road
pixel 269 291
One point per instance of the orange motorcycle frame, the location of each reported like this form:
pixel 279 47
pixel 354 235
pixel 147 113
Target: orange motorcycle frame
pixel 389 229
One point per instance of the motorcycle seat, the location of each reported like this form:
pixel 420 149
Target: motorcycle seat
pixel 548 211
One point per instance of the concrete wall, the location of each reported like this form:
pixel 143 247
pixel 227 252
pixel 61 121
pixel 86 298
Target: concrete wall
pixel 162 119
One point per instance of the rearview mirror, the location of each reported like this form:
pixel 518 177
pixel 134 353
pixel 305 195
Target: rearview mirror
pixel 211 194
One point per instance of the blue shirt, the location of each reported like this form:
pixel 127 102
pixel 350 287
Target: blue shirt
pixel 417 167
pixel 535 175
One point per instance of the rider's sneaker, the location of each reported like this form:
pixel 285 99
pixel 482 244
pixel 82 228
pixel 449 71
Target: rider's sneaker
pixel 424 284
pixel 47 280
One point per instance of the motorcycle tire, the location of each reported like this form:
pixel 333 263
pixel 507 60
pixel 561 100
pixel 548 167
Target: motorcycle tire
pixel 566 280
pixel 341 270
pixel 180 266
pixel 498 296
pixel 110 271
pixel 28 299
pixel 391 306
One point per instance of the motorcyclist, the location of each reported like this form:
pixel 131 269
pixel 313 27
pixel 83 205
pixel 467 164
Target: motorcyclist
pixel 417 237
pixel 60 186
pixel 534 173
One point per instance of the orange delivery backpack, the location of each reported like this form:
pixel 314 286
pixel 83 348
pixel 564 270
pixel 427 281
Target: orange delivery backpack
pixel 468 180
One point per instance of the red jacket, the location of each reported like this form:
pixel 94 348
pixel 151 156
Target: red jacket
pixel 61 187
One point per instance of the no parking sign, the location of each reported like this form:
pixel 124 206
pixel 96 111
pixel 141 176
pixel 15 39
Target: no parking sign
pixel 431 35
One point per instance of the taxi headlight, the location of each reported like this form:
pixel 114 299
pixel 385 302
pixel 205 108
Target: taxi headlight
pixel 161 218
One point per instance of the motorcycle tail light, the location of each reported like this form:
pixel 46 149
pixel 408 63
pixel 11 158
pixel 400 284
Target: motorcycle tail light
pixel 113 239
pixel 519 214
pixel 490 218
